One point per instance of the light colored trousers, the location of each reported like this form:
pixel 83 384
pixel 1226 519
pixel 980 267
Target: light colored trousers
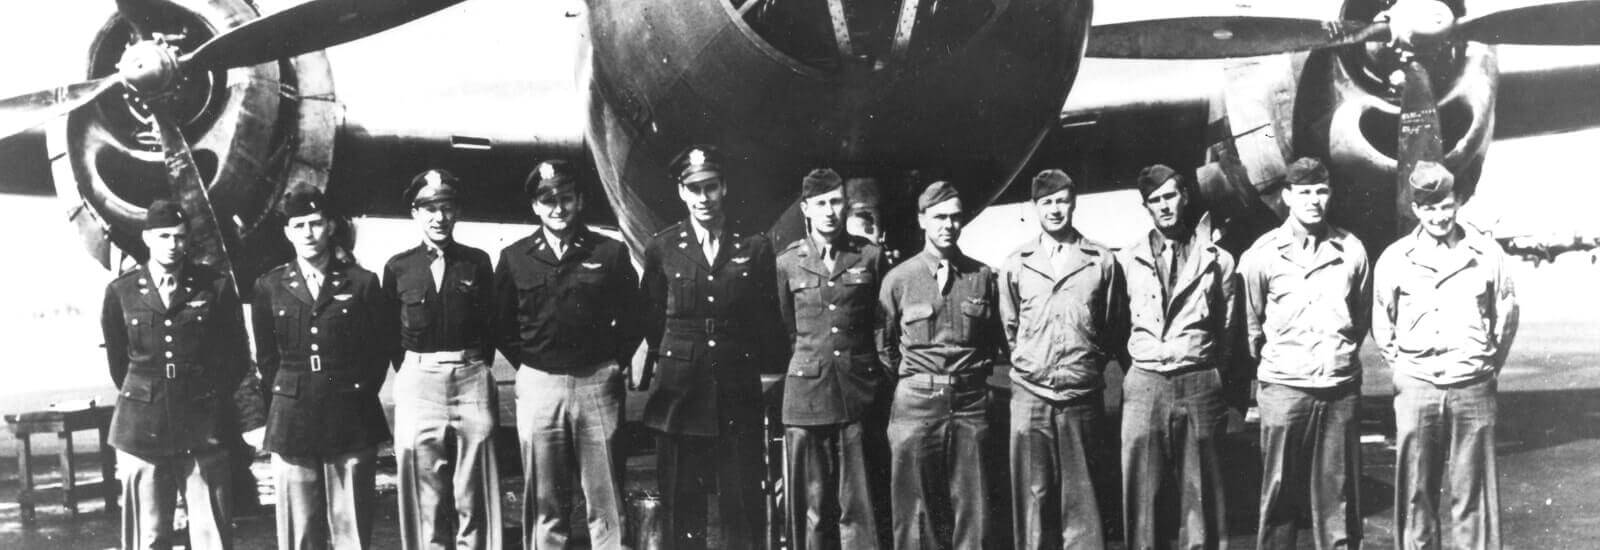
pixel 567 423
pixel 440 397
pixel 326 500
pixel 150 495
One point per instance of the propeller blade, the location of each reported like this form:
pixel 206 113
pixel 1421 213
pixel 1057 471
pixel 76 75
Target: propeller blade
pixel 207 245
pixel 308 27
pixel 1419 134
pixel 1561 24
pixel 1218 37
pixel 19 113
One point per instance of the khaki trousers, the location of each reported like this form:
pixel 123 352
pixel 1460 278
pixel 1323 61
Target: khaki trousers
pixel 567 423
pixel 326 502
pixel 441 398
pixel 150 495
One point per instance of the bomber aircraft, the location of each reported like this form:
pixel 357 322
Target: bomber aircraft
pixel 223 103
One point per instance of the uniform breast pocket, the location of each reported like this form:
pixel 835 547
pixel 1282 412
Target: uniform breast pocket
pixel 141 330
pixel 286 323
pixel 680 292
pixel 799 284
pixel 973 314
pixel 530 292
pixel 916 322
pixel 414 309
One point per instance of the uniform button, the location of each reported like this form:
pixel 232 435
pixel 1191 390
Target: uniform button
pixel 168 322
pixel 167 338
pixel 358 385
pixel 313 330
pixel 169 355
pixel 835 330
pixel 711 298
pixel 313 347
pixel 277 388
pixel 712 343
pixel 711 277
pixel 830 283
pixel 835 353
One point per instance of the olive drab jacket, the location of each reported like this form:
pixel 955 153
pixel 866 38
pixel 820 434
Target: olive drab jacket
pixel 830 316
pixel 714 328
pixel 1306 313
pixel 176 364
pixel 323 360
pixel 1192 325
pixel 1059 323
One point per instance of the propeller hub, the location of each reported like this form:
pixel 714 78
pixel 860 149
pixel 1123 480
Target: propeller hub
pixel 1421 22
pixel 149 67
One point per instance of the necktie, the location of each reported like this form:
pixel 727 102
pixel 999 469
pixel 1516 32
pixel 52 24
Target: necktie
pixel 1058 260
pixel 943 276
pixel 1169 257
pixel 709 247
pixel 436 266
pixel 313 283
pixel 827 257
pixel 560 247
pixel 167 286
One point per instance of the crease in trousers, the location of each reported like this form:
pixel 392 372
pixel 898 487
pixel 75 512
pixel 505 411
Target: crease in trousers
pixel 442 404
pixel 149 498
pixel 567 423
pixel 1172 494
pixel 1445 435
pixel 326 502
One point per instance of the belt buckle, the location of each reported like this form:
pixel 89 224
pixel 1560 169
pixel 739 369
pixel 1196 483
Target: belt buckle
pixel 316 363
pixel 172 371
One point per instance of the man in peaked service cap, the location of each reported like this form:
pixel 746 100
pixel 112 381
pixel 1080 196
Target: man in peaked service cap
pixel 939 332
pixel 1057 294
pixel 325 336
pixel 443 388
pixel 567 315
pixel 175 342
pixel 1307 294
pixel 827 292
pixel 1444 317
pixel 712 326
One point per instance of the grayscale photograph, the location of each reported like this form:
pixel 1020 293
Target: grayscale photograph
pixel 800 274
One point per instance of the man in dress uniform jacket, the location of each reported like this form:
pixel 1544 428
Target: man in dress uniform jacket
pixel 939 330
pixel 324 339
pixel 1444 316
pixel 1307 292
pixel 442 392
pixel 1057 293
pixel 827 291
pixel 1181 301
pixel 567 316
pixel 175 342
pixel 713 325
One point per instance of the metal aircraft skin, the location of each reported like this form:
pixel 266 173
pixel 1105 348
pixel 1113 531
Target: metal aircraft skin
pixel 486 88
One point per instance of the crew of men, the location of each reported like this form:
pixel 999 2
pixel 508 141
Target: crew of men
pixel 716 305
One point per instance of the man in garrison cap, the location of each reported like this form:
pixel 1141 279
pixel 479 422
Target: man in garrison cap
pixel 1444 317
pixel 1057 294
pixel 442 412
pixel 939 332
pixel 176 347
pixel 1180 309
pixel 325 336
pixel 1307 295
pixel 827 292
pixel 566 315
pixel 712 327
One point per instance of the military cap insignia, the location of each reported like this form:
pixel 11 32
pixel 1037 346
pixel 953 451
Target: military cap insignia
pixel 697 156
pixel 547 170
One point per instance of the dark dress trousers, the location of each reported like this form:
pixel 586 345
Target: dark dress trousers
pixel 713 325
pixel 176 364
pixel 830 314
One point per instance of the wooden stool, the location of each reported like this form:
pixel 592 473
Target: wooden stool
pixel 63 424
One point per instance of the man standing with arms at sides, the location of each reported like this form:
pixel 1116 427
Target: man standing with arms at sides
pixel 175 342
pixel 827 291
pixel 713 323
pixel 1181 303
pixel 441 393
pixel 325 336
pixel 940 332
pixel 1444 316
pixel 1307 293
pixel 565 315
pixel 1057 293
